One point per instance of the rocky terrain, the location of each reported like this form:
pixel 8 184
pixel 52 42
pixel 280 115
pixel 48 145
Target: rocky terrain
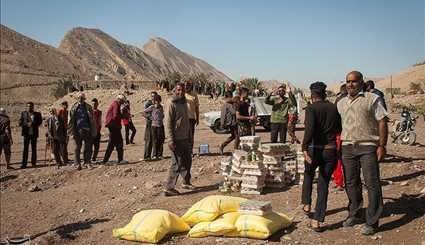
pixel 66 206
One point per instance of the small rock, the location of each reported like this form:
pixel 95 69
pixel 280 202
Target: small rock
pixel 134 187
pixel 288 238
pixel 390 182
pixel 201 169
pixel 376 237
pixel 130 191
pixel 128 170
pixel 82 210
pixel 397 231
pixel 216 172
pixel 34 188
pixel 404 183
pixel 152 184
pixel 135 175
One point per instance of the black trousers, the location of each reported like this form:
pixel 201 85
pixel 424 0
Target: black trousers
pixel 234 135
pixel 64 150
pixel 57 151
pixel 325 160
pixel 278 129
pixel 115 141
pixel 96 146
pixel 181 162
pixel 148 140
pixel 130 127
pixel 355 158
pixel 158 137
pixel 79 139
pixel 5 146
pixel 27 141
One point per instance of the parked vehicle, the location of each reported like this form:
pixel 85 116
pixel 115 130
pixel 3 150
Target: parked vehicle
pixel 263 111
pixel 404 129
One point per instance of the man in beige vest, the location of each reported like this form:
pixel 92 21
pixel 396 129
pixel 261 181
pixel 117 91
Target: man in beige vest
pixel 364 138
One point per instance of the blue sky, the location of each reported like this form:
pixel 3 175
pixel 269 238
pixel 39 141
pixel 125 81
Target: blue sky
pixel 298 41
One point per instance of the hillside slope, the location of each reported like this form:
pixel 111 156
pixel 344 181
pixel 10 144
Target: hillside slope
pixel 176 60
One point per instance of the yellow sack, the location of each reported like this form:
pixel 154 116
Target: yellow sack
pixel 222 226
pixel 261 227
pixel 151 226
pixel 209 208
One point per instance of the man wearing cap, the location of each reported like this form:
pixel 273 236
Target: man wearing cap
pixel 280 107
pixel 83 129
pixel 30 121
pixel 322 124
pixel 193 110
pixel 113 123
pixel 5 136
pixel 364 138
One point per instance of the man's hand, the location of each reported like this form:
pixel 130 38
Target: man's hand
pixel 307 158
pixel 172 146
pixel 197 122
pixel 380 153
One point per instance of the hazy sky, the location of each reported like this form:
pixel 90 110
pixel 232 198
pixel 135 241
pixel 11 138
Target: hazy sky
pixel 299 41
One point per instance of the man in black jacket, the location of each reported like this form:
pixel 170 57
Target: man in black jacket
pixel 30 121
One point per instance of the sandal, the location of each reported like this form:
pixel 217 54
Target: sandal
pixel 307 209
pixel 317 227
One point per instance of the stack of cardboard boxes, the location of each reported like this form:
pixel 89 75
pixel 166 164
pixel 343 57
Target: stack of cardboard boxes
pixel 256 166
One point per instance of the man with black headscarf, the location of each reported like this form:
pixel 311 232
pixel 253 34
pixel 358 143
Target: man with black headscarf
pixel 322 124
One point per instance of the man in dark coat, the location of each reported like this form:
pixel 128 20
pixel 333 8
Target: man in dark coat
pixel 29 121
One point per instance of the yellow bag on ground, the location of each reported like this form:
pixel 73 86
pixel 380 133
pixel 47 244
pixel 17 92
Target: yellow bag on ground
pixel 222 226
pixel 151 226
pixel 209 208
pixel 261 227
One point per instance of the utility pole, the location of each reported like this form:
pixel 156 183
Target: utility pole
pixel 391 86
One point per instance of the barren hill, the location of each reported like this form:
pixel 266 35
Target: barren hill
pixel 25 61
pixel 109 57
pixel 403 79
pixel 174 59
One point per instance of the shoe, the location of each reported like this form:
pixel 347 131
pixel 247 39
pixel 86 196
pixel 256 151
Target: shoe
pixel 132 143
pixel 79 167
pixel 368 230
pixel 23 166
pixel 188 187
pixel 221 150
pixel 154 158
pixel 350 222
pixel 171 192
pixel 123 162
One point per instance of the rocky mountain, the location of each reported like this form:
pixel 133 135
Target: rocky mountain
pixel 107 56
pixel 26 61
pixel 175 60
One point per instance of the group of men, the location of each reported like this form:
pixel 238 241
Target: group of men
pixel 83 122
pixel 359 116
pixel 238 115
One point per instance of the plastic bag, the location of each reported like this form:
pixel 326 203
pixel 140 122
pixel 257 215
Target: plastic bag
pixel 209 208
pixel 151 226
pixel 222 226
pixel 261 227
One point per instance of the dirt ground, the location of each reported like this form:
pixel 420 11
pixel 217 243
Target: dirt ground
pixel 82 207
